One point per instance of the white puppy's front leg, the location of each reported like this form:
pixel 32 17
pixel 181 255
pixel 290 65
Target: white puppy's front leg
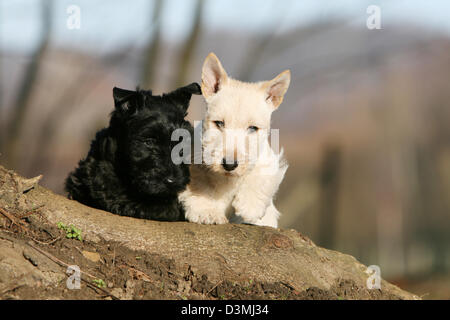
pixel 200 209
pixel 257 190
pixel 250 203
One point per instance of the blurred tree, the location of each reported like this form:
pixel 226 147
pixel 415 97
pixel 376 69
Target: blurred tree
pixel 432 227
pixel 261 44
pixel 26 86
pixel 84 83
pixel 433 222
pixel 329 193
pixel 151 52
pixel 190 44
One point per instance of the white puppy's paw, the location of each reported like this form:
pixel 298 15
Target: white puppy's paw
pixel 267 222
pixel 248 209
pixel 270 218
pixel 206 217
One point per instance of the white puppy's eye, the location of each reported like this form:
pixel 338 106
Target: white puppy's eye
pixel 252 129
pixel 219 124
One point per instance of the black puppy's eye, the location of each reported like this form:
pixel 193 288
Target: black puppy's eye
pixel 149 142
pixel 252 129
pixel 219 124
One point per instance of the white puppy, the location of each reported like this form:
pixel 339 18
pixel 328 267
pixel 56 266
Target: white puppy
pixel 240 173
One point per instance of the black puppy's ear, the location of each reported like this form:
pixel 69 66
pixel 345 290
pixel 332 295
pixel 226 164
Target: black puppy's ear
pixel 182 96
pixel 193 88
pixel 124 99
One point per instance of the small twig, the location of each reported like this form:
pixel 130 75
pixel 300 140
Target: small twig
pixel 35 240
pixel 101 289
pixel 48 232
pixel 138 272
pixel 217 284
pixel 11 218
pixel 289 285
pixel 79 250
pixel 61 263
pixel 54 259
pixel 57 261
pixel 46 243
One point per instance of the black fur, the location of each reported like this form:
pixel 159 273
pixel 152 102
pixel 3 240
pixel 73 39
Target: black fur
pixel 128 170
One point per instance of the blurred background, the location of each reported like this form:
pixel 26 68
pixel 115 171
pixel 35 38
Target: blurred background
pixel 365 123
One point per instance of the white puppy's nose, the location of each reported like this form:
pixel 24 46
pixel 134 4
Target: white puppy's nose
pixel 229 165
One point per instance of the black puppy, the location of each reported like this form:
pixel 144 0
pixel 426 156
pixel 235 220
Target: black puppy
pixel 129 170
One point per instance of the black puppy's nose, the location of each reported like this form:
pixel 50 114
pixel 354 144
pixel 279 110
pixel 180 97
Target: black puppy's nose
pixel 229 166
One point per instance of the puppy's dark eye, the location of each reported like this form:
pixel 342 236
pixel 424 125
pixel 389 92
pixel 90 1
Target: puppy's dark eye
pixel 252 129
pixel 219 124
pixel 149 142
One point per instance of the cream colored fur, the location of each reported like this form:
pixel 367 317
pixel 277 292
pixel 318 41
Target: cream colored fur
pixel 245 194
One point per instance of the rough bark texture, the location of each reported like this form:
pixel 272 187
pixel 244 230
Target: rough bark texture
pixel 219 253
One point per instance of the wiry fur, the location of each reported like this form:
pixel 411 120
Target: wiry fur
pixel 245 194
pixel 128 170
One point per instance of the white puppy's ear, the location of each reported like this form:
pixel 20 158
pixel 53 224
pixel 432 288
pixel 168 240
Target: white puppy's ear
pixel 213 75
pixel 277 87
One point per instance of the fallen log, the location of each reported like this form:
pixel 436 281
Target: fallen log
pixel 238 256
